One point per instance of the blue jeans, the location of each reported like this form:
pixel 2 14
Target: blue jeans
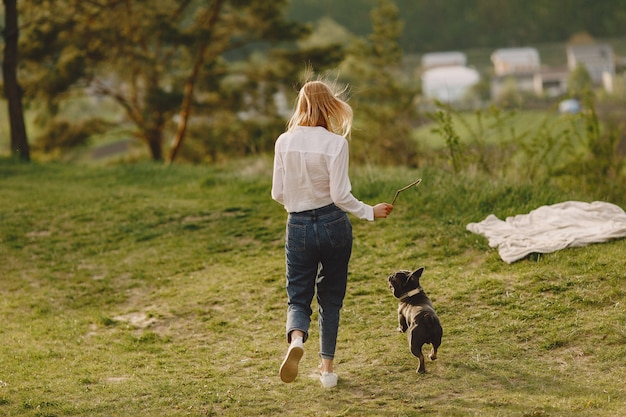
pixel 318 248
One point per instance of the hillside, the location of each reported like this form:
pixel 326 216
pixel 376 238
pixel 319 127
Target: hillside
pixel 159 291
pixel 433 25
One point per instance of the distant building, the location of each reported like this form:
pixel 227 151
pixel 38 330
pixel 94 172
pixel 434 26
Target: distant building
pixel 514 66
pixel 598 59
pixel 443 59
pixel 551 82
pixel 445 76
pixel 515 61
pixel 448 84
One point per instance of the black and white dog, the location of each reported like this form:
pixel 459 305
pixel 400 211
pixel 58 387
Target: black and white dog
pixel 416 314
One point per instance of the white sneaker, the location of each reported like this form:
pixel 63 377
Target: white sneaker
pixel 329 379
pixel 289 367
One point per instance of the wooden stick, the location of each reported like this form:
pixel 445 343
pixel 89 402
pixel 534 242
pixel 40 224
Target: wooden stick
pixel 413 184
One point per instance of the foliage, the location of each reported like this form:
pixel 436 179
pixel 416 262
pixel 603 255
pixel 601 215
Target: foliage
pixel 248 65
pixel 510 96
pixel 602 164
pixel 163 58
pixel 150 290
pixel 434 25
pixel 579 82
pixel 61 135
pixel 445 128
pixel 326 32
pixel 383 105
pixel 576 151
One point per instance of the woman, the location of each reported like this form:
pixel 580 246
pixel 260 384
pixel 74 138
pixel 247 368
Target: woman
pixel 310 179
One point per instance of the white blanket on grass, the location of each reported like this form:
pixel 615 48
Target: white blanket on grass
pixel 551 228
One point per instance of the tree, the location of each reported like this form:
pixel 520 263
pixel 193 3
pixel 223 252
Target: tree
pixel 12 89
pixel 150 56
pixel 384 106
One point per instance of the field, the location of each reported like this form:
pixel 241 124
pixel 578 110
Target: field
pixel 159 291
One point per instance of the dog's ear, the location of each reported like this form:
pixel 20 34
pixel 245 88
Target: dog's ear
pixel 415 275
pixel 404 277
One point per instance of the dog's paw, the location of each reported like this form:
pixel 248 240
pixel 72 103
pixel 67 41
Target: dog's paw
pixel 432 356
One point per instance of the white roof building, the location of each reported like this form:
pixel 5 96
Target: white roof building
pixel 598 59
pixel 448 84
pixel 511 61
pixel 443 59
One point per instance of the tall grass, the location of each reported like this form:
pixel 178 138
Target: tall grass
pixel 150 290
pixel 570 151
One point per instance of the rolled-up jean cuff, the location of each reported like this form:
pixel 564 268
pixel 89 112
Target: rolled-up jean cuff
pixel 304 339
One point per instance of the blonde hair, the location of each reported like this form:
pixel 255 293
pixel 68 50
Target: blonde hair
pixel 319 105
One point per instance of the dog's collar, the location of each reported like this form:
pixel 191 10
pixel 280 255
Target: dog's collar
pixel 409 294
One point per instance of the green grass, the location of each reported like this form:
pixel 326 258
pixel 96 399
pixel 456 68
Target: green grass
pixel 159 291
pixel 496 127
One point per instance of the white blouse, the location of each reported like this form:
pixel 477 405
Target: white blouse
pixel 311 171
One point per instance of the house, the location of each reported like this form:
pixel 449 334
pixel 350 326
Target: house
pixel 448 84
pixel 598 59
pixel 445 76
pixel 515 61
pixel 514 66
pixel 551 82
pixel 443 59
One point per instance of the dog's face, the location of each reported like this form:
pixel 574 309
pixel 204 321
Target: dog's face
pixel 401 282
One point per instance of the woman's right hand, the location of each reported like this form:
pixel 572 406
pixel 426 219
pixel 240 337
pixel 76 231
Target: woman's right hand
pixel 382 210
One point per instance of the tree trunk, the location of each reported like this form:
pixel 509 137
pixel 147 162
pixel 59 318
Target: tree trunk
pixel 155 149
pixel 12 90
pixel 153 136
pixel 185 110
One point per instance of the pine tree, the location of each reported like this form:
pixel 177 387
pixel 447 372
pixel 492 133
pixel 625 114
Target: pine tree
pixel 383 100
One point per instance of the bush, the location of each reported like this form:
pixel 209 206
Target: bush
pixel 62 135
